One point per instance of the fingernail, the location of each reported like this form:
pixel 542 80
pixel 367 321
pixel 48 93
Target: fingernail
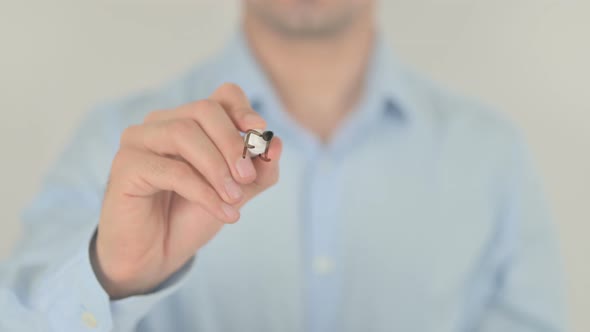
pixel 229 211
pixel 245 168
pixel 233 190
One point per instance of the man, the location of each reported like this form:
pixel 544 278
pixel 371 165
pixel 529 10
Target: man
pixel 400 207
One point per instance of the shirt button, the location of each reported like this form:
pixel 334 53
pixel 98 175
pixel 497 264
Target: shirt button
pixel 323 265
pixel 89 320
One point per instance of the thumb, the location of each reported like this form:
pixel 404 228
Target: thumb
pixel 267 172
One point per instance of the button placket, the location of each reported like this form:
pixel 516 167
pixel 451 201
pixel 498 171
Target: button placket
pixel 323 241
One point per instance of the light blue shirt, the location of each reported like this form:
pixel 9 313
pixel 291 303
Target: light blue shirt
pixel 422 214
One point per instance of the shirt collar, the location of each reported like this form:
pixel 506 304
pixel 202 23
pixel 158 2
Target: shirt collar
pixel 389 83
pixel 386 90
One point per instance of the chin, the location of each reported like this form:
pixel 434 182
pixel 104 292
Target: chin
pixel 307 17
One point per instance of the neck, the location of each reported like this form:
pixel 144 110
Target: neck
pixel 319 81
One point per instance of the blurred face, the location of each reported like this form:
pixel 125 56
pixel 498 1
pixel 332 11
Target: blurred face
pixel 307 18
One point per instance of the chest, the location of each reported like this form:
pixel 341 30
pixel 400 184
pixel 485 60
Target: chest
pixel 406 231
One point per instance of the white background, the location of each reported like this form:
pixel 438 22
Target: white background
pixel 529 58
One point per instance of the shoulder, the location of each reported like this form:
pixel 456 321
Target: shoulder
pixel 196 83
pixel 462 120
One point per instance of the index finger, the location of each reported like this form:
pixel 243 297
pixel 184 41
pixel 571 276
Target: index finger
pixel 237 106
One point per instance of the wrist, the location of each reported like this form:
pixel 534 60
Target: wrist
pixel 117 288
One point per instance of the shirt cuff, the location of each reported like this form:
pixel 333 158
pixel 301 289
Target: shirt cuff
pixel 129 311
pixel 74 299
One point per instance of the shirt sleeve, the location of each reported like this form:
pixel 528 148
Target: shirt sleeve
pixel 528 294
pixel 48 283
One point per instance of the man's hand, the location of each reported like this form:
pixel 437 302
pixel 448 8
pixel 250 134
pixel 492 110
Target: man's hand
pixel 175 181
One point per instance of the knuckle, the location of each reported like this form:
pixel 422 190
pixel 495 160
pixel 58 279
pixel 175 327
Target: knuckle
pixel 180 172
pixel 181 129
pixel 153 116
pixel 120 160
pixel 127 134
pixel 231 88
pixel 210 195
pixel 219 169
pixel 156 167
pixel 204 105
